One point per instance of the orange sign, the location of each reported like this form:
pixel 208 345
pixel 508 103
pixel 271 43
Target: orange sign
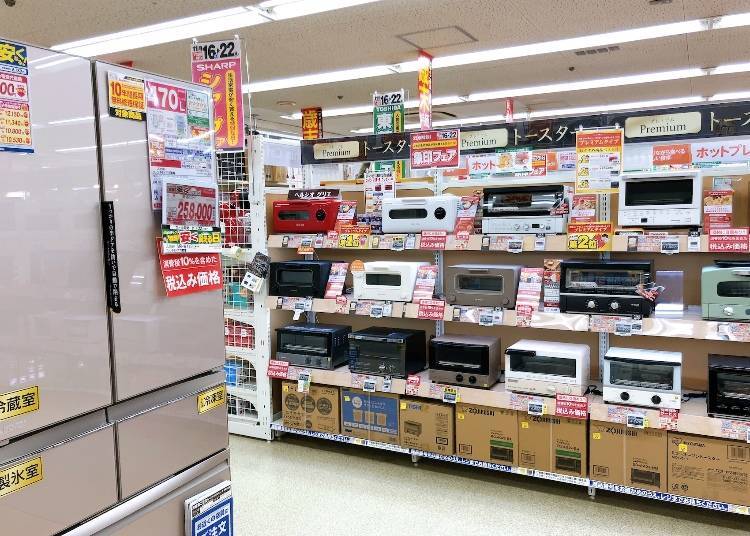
pixel 424 89
pixel 672 155
pixel 593 236
pixel 312 123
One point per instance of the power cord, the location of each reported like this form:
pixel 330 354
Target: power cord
pixel 592 389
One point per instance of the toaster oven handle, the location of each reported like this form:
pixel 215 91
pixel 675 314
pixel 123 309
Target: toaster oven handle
pixel 742 272
pixel 411 200
pixel 478 271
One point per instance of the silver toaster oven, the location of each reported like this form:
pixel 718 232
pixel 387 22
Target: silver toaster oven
pixel 482 285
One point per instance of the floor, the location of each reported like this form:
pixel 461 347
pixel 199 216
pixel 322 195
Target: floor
pixel 312 487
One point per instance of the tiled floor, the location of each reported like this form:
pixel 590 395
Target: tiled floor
pixel 298 486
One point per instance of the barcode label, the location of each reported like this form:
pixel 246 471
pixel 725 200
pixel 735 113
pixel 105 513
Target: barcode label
pixel 738 452
pixel 601 470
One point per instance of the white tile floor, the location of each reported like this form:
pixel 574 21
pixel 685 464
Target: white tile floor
pixel 305 487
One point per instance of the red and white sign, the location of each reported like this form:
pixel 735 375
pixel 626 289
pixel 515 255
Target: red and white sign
pixel 166 97
pixel 467 212
pixel 435 149
pixel 335 285
pixel 433 240
pixel 424 90
pixel 188 273
pixel 584 208
pixel 720 152
pixel 668 418
pixel 190 205
pixel 278 369
pixel 529 295
pixel 538 164
pixel 733 240
pixel 431 310
pixel 509 110
pixel 675 156
pixel 571 406
pixel 412 385
pixel 424 286
pixel 14 87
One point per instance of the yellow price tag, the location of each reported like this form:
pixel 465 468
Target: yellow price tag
pixel 285 388
pixel 594 236
pixel 347 398
pixel 212 398
pixel 354 241
pixel 20 476
pixel 523 471
pixel 19 402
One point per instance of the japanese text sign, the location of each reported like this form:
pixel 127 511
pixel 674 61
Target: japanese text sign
pixel 592 236
pixel 127 96
pixel 312 123
pixel 721 152
pixel 598 160
pixel 732 240
pixel 435 149
pixel 188 273
pixel 672 156
pixel 15 111
pixel 431 310
pixel 572 407
pixel 424 90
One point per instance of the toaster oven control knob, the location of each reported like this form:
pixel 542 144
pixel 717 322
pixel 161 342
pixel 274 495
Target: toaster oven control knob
pixel 656 400
pixel 624 396
pixel 591 304
pixel 440 213
pixel 320 215
pixel 729 311
pixel 614 306
pixel 516 227
pixel 472 380
pixel 459 378
pixel 526 227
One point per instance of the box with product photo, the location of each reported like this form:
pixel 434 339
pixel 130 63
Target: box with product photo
pixel 372 416
pixel 555 444
pixel 487 434
pixel 427 426
pixel 628 456
pixel 709 468
pixel 317 410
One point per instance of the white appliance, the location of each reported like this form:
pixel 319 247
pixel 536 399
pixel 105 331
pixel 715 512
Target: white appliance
pixel 661 199
pixel 525 209
pixel 525 224
pixel 416 214
pixel 391 281
pixel 547 368
pixel 639 377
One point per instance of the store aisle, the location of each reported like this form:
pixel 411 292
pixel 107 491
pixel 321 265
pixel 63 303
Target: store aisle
pixel 299 486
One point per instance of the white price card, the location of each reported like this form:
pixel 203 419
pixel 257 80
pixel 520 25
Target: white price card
pixel 515 245
pixel 252 282
pixel 694 241
pixel 387 384
pixel 670 245
pixel 540 242
pixel 411 241
pixel 376 310
pixel 624 327
pixel 450 395
pixel 536 407
pixel 303 381
pixel 636 420
pixel 369 385
pixel 485 316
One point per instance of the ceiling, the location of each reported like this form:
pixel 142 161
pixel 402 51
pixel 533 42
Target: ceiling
pixel 369 35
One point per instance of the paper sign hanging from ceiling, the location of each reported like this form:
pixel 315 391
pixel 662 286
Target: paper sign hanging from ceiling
pixel 218 64
pixel 598 161
pixel 424 89
pixel 15 110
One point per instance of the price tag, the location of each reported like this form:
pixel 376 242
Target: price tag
pixel 636 325
pixel 694 241
pixel 388 308
pixel 515 245
pixel 670 245
pixel 571 406
pixel 387 384
pixel 450 395
pixel 485 316
pixel 398 243
pixel 376 311
pixel 306 247
pixel 303 381
pixel 624 327
pixel 302 306
pixel 540 242
pixel 668 418
pixel 431 310
pixel 497 316
pixel 536 407
pixel 353 241
pixel 369 384
pixel 277 369
pixel 411 241
pixel 636 420
pixel 252 282
pixel 412 385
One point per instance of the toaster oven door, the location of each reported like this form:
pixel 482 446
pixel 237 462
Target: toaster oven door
pixel 526 362
pixel 642 374
pixel 468 358
pixel 668 192
pixel 305 343
pixel 728 298
pixel 729 391
pixel 607 281
pixel 296 281
pixel 522 203
pixel 293 214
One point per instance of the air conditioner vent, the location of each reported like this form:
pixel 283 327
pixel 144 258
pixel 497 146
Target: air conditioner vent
pixel 599 50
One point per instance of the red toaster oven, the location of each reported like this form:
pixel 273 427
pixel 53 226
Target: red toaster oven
pixel 305 216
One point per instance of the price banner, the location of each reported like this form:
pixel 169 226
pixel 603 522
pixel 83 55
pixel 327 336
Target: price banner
pixel 435 149
pixel 571 406
pixel 278 369
pixel 431 309
pixel 15 111
pixel 433 240
pixel 127 96
pixel 188 273
pixel 190 216
pixel 354 236
pixel 732 240
pixel 598 160
pixel 592 236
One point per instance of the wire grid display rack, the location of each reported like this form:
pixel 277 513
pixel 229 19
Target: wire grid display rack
pixel 245 406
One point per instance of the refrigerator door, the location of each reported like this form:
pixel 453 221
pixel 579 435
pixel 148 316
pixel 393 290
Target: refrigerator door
pixel 63 475
pixel 157 340
pixel 161 433
pixel 54 347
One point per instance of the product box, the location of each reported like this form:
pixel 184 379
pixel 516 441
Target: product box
pixel 487 434
pixel 554 444
pixel 427 426
pixel 628 456
pixel 372 416
pixel 709 468
pixel 317 410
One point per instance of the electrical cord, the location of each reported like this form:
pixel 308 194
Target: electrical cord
pixel 688 396
pixel 592 389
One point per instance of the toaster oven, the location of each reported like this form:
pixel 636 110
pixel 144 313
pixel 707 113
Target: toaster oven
pixel 305 215
pixel 547 368
pixel 662 200
pixel 606 287
pixel 381 280
pixel 465 360
pixel 417 214
pixel 387 351
pixel 482 285
pixel 306 279
pixel 725 290
pixel 639 377
pixel 313 345
pixel 728 386
pixel 524 209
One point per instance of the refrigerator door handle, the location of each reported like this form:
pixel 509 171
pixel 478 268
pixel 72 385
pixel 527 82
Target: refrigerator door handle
pixel 109 241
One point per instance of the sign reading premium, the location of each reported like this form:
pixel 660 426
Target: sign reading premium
pixel 479 141
pixel 356 149
pixel 647 126
pixel 336 150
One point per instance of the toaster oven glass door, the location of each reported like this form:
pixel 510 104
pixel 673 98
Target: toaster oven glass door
pixel 522 203
pixel 639 374
pixel 383 279
pixel 733 386
pixel 479 283
pixel 377 349
pixel 603 281
pixel 294 215
pixel 407 213
pixel 733 289
pixel 290 276
pixel 541 364
pixel 655 192
pixel 460 357
pixel 303 343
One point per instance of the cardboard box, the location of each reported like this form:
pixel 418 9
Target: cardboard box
pixel 427 426
pixel 709 468
pixel 487 434
pixel 628 456
pixel 555 444
pixel 316 410
pixel 372 416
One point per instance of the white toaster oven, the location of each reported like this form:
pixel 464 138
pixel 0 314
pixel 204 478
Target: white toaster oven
pixel 417 214
pixel 660 200
pixel 393 281
pixel 638 377
pixel 547 368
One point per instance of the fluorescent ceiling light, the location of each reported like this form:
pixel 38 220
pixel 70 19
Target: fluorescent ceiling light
pixel 521 51
pixel 732 68
pixel 736 95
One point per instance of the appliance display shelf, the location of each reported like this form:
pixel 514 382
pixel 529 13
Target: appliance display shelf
pixel 245 392
pixel 279 427
pixel 688 325
pixel 240 315
pixel 239 351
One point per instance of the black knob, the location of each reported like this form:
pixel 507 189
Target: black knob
pixel 459 378
pixel 624 396
pixel 320 215
pixel 656 400
pixel 472 380
pixel 440 213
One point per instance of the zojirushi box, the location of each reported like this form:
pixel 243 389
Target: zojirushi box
pixel 725 290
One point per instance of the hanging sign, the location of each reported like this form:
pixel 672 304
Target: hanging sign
pixel 180 145
pixel 312 123
pixel 424 90
pixel 435 149
pixel 15 110
pixel 517 160
pixel 387 118
pixel 593 236
pixel 598 160
pixel 218 64
pixel 190 216
pixel 189 273
pixel 126 96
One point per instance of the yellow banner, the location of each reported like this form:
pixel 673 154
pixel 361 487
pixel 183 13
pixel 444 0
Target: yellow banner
pixel 593 236
pixel 212 398
pixel 20 476
pixel 19 402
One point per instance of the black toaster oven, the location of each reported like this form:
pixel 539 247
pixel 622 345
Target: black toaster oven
pixel 323 346
pixel 387 351
pixel 305 279
pixel 728 386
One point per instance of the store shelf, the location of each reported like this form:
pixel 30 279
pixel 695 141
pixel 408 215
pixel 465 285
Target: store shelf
pixel 245 392
pixel 240 315
pixel 239 351
pixel 278 426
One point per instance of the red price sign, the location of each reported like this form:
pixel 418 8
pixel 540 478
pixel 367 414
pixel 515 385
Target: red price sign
pixel 431 310
pixel 571 406
pixel 166 97
pixel 433 240
pixel 14 86
pixel 278 369
pixel 189 205
pixel 732 240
